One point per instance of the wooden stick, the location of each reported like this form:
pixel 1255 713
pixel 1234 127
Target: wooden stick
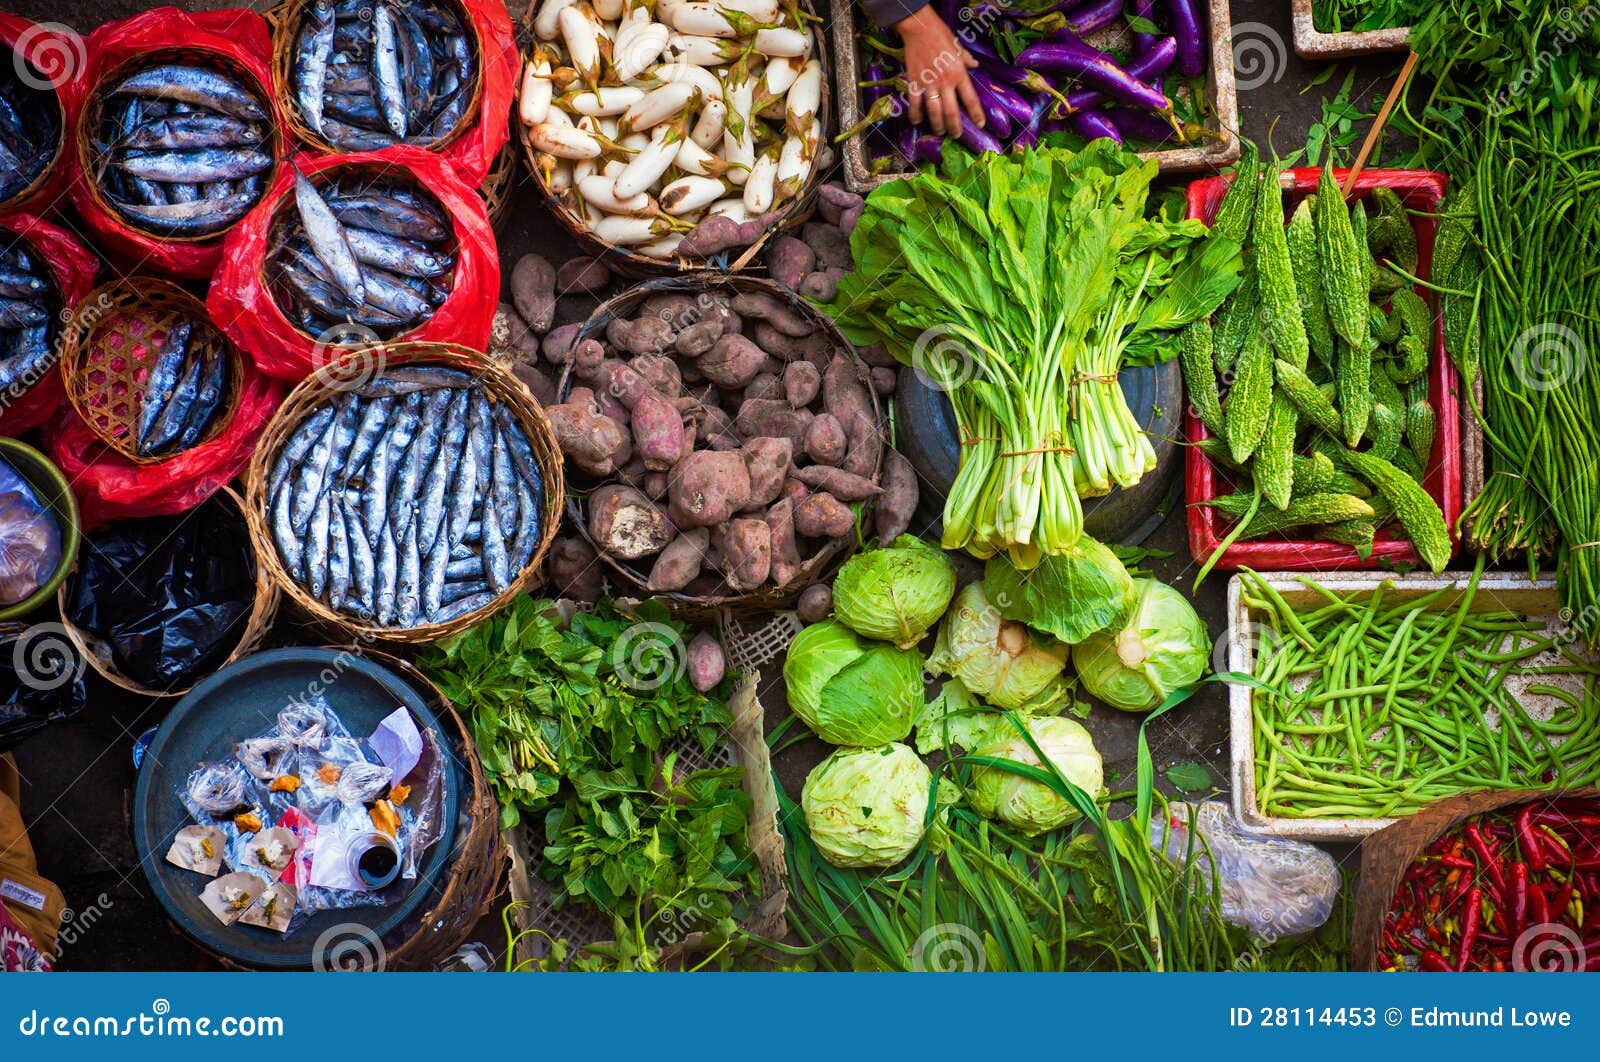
pixel 1378 123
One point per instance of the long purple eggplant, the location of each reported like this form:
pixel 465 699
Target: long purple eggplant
pixel 1092 125
pixel 1065 54
pixel 1146 67
pixel 1093 15
pixel 1143 42
pixel 1139 125
pixel 1188 26
pixel 974 139
pixel 1002 97
pixel 920 149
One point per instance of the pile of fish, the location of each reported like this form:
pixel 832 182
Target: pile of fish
pixel 29 303
pixel 30 539
pixel 369 73
pixel 377 254
pixel 185 390
pixel 183 150
pixel 411 499
pixel 30 127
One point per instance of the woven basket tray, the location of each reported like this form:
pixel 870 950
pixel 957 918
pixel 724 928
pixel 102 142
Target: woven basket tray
pixel 1387 854
pixel 93 107
pixel 498 187
pixel 634 580
pixel 629 263
pixel 678 940
pixel 285 19
pixel 257 623
pixel 22 200
pixel 354 368
pixel 109 349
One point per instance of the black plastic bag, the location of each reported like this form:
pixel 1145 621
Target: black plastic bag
pixel 169 595
pixel 41 680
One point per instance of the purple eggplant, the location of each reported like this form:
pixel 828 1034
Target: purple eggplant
pixel 1092 125
pixel 1146 67
pixel 974 139
pixel 1143 42
pixel 921 149
pixel 996 96
pixel 1093 15
pixel 1188 26
pixel 1139 125
pixel 1065 54
pixel 873 91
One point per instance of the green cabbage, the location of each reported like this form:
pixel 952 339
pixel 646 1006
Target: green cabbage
pixel 894 594
pixel 1031 806
pixel 851 691
pixel 1162 647
pixel 1068 595
pixel 999 660
pixel 867 807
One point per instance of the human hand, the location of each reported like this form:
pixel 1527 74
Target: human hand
pixel 937 83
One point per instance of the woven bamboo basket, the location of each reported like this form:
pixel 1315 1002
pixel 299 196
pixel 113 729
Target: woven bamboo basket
pixel 632 264
pixel 90 113
pixel 1387 854
pixel 678 940
pixel 285 19
pixel 256 624
pixel 498 187
pixel 284 215
pixel 109 349
pixel 764 599
pixel 23 199
pixel 349 371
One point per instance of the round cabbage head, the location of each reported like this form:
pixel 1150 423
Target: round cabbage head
pixel 849 690
pixel 895 594
pixel 1163 647
pixel 1030 806
pixel 867 807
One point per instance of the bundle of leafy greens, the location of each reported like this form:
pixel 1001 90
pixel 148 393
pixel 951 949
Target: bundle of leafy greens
pixel 1021 284
pixel 580 726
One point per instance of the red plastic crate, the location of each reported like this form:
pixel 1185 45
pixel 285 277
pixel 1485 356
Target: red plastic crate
pixel 1419 190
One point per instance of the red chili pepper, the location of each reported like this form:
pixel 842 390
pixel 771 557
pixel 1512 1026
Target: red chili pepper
pixel 1487 855
pixel 1538 906
pixel 1457 863
pixel 1519 896
pixel 1532 850
pixel 1558 908
pixel 1433 962
pixel 1469 927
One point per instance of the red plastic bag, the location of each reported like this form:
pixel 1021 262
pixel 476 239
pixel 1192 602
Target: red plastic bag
pixel 56 54
pixel 242 307
pixel 239 35
pixel 111 487
pixel 23 408
pixel 472 154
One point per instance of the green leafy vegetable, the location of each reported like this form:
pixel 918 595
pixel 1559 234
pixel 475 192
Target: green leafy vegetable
pixel 1069 595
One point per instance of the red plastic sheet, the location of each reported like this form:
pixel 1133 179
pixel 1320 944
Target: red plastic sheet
pixel 111 487
pixel 57 57
pixel 27 404
pixel 239 35
pixel 243 307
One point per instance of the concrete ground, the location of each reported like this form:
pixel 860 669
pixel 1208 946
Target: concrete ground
pixel 78 776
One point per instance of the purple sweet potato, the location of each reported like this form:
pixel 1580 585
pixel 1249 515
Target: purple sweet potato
pixel 707 487
pixel 655 486
pixel 891 514
pixel 573 570
pixel 658 436
pixel 884 380
pixel 660 372
pixel 825 440
pixel 744 547
pixel 587 357
pixel 794 490
pixel 774 311
pixel 789 261
pixel 802 381
pixel 533 289
pixel 877 355
pixel 588 275
pixel 538 381
pixel 714 421
pixel 645 335
pixel 819 286
pixel 705 664
pixel 823 516
pixel 677 309
pixel 696 339
pixel 622 382
pixel 732 362
pixel 815 603
pixel 848 219
pixel 845 393
pixel 557 345
pixel 767 461
pixel 765 385
pixel 772 417
pixel 595 443
pixel 711 236
pixel 814 347
pixel 723 443
pixel 838 482
pixel 866 447
pixel 785 554
pixel 832 247
pixel 833 200
pixel 680 561
pixel 626 524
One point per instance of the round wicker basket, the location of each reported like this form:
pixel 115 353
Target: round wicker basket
pixel 349 371
pixel 21 200
pixel 629 263
pixel 89 115
pixel 717 606
pixel 498 186
pixel 256 625
pixel 109 349
pixel 285 19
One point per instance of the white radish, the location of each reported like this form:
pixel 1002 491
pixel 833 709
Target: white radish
pixel 708 127
pixel 755 10
pixel 697 161
pixel 793 161
pixel 759 188
pixel 613 168
pixel 701 51
pixel 805 96
pixel 665 247
pixel 604 101
pixel 624 230
pixel 703 19
pixel 634 142
pixel 651 162
pixel 638 44
pixel 688 194
pixel 558 173
pixel 537 90
pixel 544 24
pixel 610 10
pixel 789 43
pixel 608 127
pixel 709 84
pixel 583 42
pixel 564 141
pixel 779 75
pixel 657 106
pixel 583 168
pixel 728 208
pixel 557 116
pixel 738 139
pixel 600 191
